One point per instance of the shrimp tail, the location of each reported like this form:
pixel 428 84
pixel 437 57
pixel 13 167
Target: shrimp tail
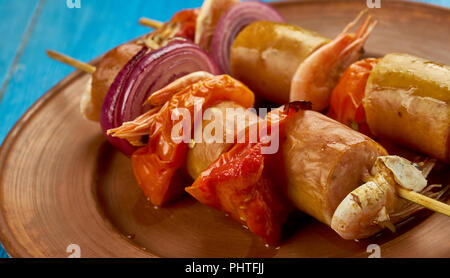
pixel 134 130
pixel 161 96
pixel 355 21
pixel 316 77
pixel 352 52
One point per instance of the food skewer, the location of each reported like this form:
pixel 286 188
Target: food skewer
pixel 112 62
pixel 409 195
pixel 148 22
pixel 71 61
pixel 325 210
pixel 424 201
pixel 87 67
pixel 403 193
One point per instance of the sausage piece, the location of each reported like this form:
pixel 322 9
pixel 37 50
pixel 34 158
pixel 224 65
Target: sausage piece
pixel 407 100
pixel 265 56
pixel 324 161
pixel 106 71
pixel 201 155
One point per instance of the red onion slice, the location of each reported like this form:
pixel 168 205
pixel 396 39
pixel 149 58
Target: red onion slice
pixel 112 99
pixel 232 22
pixel 145 74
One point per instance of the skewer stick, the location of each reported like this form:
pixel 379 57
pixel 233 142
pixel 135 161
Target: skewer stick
pixel 150 23
pixel 71 61
pixel 423 200
pixel 404 193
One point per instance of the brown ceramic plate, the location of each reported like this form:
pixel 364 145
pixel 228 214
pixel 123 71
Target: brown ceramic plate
pixel 59 189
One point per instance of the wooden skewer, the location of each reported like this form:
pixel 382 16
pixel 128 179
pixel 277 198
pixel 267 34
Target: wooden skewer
pixel 71 61
pixel 404 193
pixel 150 23
pixel 423 200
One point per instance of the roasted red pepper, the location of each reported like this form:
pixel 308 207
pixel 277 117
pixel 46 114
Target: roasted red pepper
pixel 239 184
pixel 156 164
pixel 346 99
pixel 188 18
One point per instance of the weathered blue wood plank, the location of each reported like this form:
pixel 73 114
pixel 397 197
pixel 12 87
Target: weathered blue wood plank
pixel 14 27
pixel 14 24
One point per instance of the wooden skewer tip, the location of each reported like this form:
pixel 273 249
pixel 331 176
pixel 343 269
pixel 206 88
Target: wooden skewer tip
pixel 71 61
pixel 425 201
pixel 150 23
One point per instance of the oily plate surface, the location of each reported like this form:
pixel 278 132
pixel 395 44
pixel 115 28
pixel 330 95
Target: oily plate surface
pixel 62 184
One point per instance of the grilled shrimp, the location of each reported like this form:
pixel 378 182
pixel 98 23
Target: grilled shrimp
pixel 374 205
pixel 163 95
pixel 364 210
pixel 134 130
pixel 316 77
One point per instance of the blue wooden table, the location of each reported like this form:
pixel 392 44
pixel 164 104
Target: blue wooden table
pixel 29 27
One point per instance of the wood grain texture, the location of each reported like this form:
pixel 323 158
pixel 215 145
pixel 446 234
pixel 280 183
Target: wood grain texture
pixel 19 15
pixel 61 183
